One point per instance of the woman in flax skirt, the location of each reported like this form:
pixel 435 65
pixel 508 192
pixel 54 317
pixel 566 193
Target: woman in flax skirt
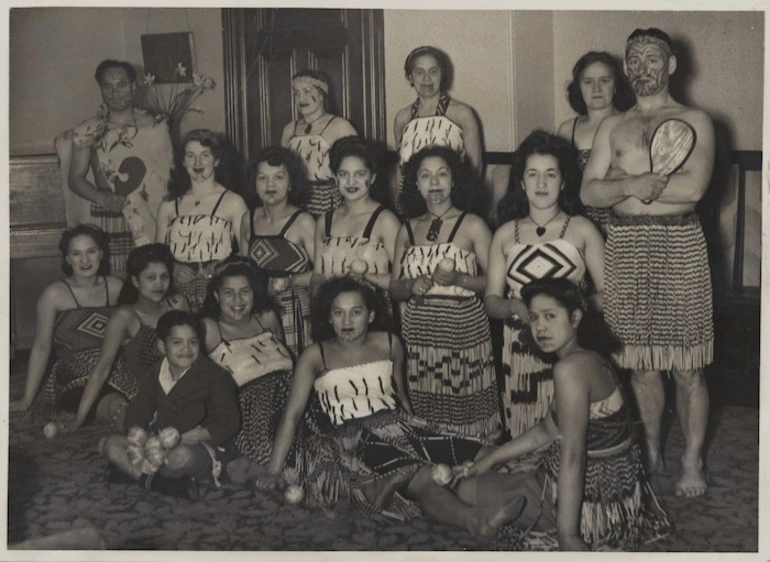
pixel 441 257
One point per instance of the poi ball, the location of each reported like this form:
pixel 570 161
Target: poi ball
pixel 50 430
pixel 446 265
pixel 169 437
pixel 359 267
pixel 137 435
pixel 135 454
pixel 148 467
pixel 152 443
pixel 442 474
pixel 157 456
pixel 294 494
pixel 280 284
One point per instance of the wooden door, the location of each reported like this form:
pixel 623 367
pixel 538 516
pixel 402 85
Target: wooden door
pixel 264 47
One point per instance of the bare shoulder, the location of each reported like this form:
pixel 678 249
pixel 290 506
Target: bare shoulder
pixel 582 225
pixel 475 223
pixel 114 284
pixel 402 118
pixel 310 359
pixel 460 109
pixel 340 127
pixel 269 318
pixel 565 129
pixel 178 301
pixel 305 220
pixel 388 220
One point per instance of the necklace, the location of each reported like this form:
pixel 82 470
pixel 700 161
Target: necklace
pixel 310 124
pixel 435 225
pixel 540 230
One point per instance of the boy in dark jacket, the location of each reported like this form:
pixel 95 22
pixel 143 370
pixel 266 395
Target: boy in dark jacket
pixel 185 391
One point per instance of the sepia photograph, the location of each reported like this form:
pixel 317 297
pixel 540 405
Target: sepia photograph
pixel 409 280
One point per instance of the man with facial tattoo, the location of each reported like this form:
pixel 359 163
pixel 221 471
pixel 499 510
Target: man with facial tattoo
pixel 657 282
pixel 130 154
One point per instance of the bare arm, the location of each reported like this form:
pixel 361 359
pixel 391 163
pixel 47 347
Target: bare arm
pixel 236 208
pixel 161 222
pixel 565 130
pixel 531 440
pixel 41 348
pixel 288 132
pixel 399 123
pixel 80 161
pixel 307 224
pixel 594 256
pixel 398 369
pixel 386 232
pixel 245 235
pixel 572 400
pixel 495 303
pixel 308 366
pixel 402 289
pixel 603 187
pixel 471 137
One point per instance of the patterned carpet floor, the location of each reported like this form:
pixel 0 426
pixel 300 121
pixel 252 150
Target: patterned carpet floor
pixel 59 485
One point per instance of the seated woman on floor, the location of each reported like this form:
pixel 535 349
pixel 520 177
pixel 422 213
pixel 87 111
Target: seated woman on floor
pixel 191 403
pixel 71 312
pixel 109 377
pixel 592 461
pixel 378 455
pixel 243 334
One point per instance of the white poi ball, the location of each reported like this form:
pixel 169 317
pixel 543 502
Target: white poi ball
pixel 359 266
pixel 294 494
pixel 442 474
pixel 50 430
pixel 280 284
pixel 446 265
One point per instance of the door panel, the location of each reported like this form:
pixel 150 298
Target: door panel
pixel 265 47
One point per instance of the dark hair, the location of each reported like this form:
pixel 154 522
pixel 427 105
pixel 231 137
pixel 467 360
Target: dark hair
pixel 623 99
pixel 654 33
pixel 365 151
pixel 465 195
pixel 98 236
pixel 442 59
pixel 280 156
pixel 110 63
pixel 330 290
pixel 137 261
pixel 237 266
pixel 180 182
pixel 514 204
pixel 592 332
pixel 329 98
pixel 177 318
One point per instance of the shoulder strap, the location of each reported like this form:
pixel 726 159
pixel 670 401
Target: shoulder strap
pixel 176 205
pixel 328 223
pixel 214 211
pixel 516 231
pixel 574 124
pixel 256 317
pixel 443 104
pixel 323 357
pixel 107 289
pixel 457 227
pixel 251 221
pixel 409 231
pixel 564 228
pixel 73 293
pixel 372 220
pixel 415 108
pixel 327 124
pixel 289 222
pixel 390 345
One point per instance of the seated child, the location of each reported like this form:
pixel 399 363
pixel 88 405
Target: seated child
pixel 185 391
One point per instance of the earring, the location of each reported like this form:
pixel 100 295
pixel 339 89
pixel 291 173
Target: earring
pixel 562 187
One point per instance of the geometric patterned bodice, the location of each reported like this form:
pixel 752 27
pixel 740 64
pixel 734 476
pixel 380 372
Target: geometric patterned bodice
pixel 543 260
pixel 275 253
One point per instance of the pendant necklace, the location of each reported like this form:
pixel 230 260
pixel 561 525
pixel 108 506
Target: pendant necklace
pixel 540 230
pixel 310 124
pixel 435 225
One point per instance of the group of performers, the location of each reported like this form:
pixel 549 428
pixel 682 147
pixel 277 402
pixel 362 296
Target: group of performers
pixel 354 335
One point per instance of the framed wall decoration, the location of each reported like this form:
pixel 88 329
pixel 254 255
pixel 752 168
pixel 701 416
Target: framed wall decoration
pixel 169 56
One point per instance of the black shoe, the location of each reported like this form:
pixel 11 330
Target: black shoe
pixel 184 487
pixel 116 476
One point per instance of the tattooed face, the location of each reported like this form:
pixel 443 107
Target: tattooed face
pixel 647 66
pixel 117 88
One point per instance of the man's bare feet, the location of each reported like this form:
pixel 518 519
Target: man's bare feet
pixel 490 519
pixel 692 483
pixel 380 491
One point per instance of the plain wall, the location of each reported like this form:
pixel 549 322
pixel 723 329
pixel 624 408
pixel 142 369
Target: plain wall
pixel 54 52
